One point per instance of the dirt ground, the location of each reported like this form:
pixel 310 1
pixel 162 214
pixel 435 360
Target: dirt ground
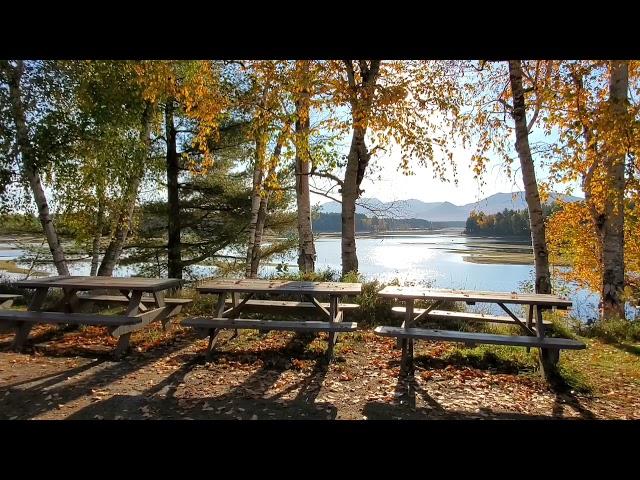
pixel 69 374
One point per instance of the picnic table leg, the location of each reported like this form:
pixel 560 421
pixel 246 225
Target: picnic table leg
pixel 529 322
pixel 132 310
pixel 235 301
pixel 333 312
pixel 71 302
pixel 127 294
pixel 24 328
pixel 406 365
pixel 213 332
pixel 549 357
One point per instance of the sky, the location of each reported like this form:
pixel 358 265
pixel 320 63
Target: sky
pixel 386 182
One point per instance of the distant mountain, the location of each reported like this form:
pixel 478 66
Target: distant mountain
pixel 441 211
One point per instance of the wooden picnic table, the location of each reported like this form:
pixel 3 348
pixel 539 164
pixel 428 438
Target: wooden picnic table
pixel 534 336
pixel 137 314
pixel 229 318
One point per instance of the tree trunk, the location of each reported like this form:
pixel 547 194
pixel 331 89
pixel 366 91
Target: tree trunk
pixel 306 246
pixel 95 248
pixel 30 167
pixel 613 225
pixel 256 248
pixel 536 218
pixel 114 249
pixel 350 190
pixel 258 174
pixel 174 254
pixel 361 97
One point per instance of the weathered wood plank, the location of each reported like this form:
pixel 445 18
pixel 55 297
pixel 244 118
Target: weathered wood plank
pixel 68 318
pixel 145 318
pixel 473 337
pixel 237 307
pixel 241 323
pixel 278 286
pixel 473 296
pixel 466 316
pixel 8 296
pixel 517 320
pixel 94 283
pixel 320 308
pixel 280 306
pixel 122 299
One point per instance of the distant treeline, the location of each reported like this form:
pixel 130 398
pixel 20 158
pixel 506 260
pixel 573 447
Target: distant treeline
pixel 505 223
pixel 332 222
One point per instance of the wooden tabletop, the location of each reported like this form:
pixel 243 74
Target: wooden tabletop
pixel 418 293
pixel 96 283
pixel 278 286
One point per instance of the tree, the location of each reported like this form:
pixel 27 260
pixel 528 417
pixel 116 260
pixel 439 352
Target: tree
pixel 538 238
pixel 493 91
pixel 302 96
pixel 598 142
pixel 35 115
pixel 398 104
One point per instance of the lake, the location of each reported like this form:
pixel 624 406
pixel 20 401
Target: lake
pixel 442 259
pixel 448 259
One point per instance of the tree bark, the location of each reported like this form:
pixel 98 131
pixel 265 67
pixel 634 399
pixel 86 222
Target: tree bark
pixel 358 158
pixel 118 240
pixel 256 192
pixel 350 194
pixel 306 246
pixel 30 167
pixel 95 248
pixel 613 225
pixel 536 218
pixel 174 254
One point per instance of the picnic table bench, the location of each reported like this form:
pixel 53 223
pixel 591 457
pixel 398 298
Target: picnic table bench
pixel 140 310
pixel 534 335
pixel 229 318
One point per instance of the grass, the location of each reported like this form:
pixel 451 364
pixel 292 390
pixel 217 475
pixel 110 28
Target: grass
pixel 613 331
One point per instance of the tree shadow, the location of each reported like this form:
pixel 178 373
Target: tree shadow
pixel 69 386
pixel 564 396
pixel 632 349
pixel 487 361
pixel 247 400
pixel 48 335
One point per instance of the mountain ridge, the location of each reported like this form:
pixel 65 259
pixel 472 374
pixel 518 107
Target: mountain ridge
pixel 442 211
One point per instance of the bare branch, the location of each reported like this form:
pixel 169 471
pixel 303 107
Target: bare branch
pixel 506 105
pixel 318 192
pixel 330 176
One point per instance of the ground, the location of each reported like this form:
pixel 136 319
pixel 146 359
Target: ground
pixel 69 374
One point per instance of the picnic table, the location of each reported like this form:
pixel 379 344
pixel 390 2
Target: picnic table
pixel 140 310
pixel 534 335
pixel 332 313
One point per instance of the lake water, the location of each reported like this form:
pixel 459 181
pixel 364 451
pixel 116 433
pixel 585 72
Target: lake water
pixel 449 259
pixel 442 259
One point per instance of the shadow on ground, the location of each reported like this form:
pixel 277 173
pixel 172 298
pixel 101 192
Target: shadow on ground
pixel 160 401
